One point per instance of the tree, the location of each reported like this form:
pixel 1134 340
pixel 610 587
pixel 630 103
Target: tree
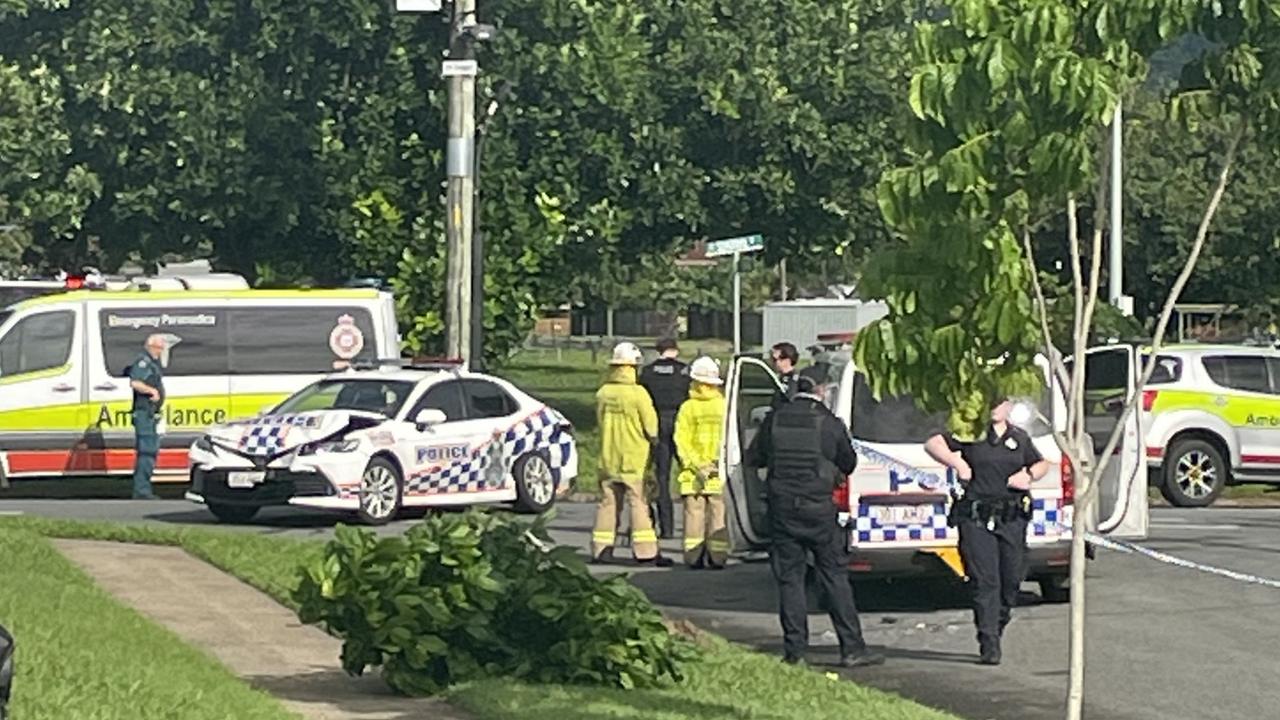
pixel 1012 99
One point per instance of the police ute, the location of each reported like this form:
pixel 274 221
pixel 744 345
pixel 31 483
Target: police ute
pixel 895 505
pixel 374 440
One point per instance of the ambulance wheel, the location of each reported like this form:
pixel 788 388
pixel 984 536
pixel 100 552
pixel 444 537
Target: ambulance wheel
pixel 1055 589
pixel 233 514
pixel 381 492
pixel 535 484
pixel 1194 474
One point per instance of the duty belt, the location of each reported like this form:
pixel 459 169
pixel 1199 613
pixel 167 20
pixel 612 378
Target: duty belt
pixel 990 512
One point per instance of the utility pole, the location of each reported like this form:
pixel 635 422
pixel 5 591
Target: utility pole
pixel 1115 272
pixel 460 70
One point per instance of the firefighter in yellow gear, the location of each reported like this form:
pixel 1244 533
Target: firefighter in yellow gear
pixel 628 427
pixel 699 432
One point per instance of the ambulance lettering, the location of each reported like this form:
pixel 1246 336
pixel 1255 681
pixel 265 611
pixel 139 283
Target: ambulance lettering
pixel 191 417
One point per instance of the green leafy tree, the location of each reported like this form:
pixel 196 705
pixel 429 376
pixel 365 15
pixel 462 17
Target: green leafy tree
pixel 1012 99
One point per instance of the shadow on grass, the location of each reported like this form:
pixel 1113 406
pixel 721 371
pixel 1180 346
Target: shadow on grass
pixel 365 696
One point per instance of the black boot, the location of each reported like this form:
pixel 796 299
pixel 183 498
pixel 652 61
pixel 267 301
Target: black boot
pixel 989 652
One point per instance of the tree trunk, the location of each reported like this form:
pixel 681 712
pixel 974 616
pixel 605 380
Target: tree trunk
pixel 1079 525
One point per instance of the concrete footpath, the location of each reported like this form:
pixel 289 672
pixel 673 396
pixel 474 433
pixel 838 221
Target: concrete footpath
pixel 253 635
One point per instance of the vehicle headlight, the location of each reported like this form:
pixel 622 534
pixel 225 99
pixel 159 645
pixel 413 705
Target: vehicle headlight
pixel 204 444
pixel 335 446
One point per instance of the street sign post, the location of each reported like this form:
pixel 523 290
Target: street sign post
pixel 736 246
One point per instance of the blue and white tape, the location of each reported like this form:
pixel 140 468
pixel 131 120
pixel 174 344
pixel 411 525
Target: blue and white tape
pixel 901 473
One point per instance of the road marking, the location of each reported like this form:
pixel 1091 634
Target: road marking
pixel 1192 526
pixel 10 512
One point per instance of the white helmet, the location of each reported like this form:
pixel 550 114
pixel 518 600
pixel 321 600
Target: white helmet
pixel 626 354
pixel 706 371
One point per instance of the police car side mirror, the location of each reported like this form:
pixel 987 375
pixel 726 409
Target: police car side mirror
pixel 429 417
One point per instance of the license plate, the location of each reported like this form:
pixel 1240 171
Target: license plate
pixel 887 515
pixel 244 479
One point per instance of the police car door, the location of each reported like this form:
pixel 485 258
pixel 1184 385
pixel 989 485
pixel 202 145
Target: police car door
pixel 1111 378
pixel 751 388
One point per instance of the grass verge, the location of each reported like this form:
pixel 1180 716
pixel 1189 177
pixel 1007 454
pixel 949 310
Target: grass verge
pixel 81 654
pixel 729 683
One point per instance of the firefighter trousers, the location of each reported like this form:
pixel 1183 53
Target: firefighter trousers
pixel 616 495
pixel 706 537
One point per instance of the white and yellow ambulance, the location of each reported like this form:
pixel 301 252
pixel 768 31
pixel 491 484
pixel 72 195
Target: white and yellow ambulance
pixel 64 400
pixel 895 510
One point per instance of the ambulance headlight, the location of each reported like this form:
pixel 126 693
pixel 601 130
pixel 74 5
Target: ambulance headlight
pixel 1023 413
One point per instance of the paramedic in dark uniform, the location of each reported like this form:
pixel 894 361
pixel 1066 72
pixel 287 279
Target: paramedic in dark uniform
pixel 667 380
pixel 996 472
pixel 807 452
pixel 147 380
pixel 785 358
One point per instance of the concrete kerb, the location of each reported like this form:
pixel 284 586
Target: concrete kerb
pixel 250 633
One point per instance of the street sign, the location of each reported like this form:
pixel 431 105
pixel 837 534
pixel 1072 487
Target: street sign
pixel 418 6
pixel 735 245
pixel 459 68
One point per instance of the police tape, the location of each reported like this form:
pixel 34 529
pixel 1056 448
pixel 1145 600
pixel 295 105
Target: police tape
pixel 1129 548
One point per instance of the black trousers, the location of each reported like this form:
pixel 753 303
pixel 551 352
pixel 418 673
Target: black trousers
pixel 664 453
pixel 800 527
pixel 996 562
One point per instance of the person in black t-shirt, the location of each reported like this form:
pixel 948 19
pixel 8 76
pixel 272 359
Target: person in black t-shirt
pixel 996 471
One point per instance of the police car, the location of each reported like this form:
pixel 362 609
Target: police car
pixel 896 502
pixel 372 441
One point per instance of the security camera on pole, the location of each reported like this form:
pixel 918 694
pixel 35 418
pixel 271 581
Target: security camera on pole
pixel 460 70
pixel 736 246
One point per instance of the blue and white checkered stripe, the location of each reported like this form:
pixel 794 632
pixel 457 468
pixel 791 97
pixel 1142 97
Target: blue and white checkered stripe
pixel 869 530
pixel 542 430
pixel 1049 517
pixel 264 439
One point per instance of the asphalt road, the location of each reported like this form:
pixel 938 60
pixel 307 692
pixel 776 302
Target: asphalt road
pixel 1163 642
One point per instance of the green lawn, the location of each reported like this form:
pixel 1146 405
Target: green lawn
pixel 730 683
pixel 81 654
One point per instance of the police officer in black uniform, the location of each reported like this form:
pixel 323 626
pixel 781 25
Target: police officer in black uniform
pixel 807 452
pixel 667 380
pixel 785 358
pixel 996 472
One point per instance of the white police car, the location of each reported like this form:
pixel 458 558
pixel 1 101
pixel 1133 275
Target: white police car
pixel 374 441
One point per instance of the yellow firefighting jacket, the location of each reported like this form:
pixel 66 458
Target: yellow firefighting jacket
pixel 628 423
pixel 699 433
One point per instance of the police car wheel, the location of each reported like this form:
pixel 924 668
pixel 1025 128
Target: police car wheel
pixel 381 492
pixel 535 484
pixel 1194 474
pixel 233 514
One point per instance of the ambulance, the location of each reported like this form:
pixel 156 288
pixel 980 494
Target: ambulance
pixel 895 510
pixel 233 352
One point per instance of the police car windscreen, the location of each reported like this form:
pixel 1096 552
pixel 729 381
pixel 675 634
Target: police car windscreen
pixel 384 397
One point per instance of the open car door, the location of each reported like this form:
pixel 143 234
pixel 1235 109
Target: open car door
pixel 1111 378
pixel 750 390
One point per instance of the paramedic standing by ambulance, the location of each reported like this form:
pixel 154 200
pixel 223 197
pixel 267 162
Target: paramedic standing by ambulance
pixel 147 381
pixel 699 430
pixel 628 428
pixel 808 453
pixel 996 471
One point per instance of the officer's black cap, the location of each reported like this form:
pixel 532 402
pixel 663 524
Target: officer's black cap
pixel 666 344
